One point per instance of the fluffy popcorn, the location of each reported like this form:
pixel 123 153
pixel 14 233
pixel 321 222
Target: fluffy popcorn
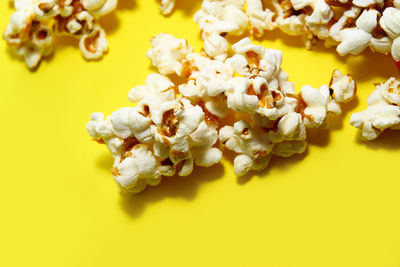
pixel 260 19
pixel 383 111
pixel 99 7
pixel 167 6
pixel 327 99
pixel 32 27
pixel 252 145
pixel 168 54
pixel 351 26
pixel 94 44
pixel 174 127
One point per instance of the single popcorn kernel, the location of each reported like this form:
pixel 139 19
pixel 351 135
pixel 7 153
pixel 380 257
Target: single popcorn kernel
pixel 383 111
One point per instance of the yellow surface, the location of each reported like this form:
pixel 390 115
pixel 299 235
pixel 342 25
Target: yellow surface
pixel 336 205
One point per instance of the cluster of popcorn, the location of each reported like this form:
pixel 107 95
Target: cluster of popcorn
pixel 174 127
pixel 32 27
pixel 350 25
pixel 383 111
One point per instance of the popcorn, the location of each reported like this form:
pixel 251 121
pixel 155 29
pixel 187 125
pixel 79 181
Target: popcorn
pixel 167 6
pixel 280 116
pixel 163 134
pixel 172 128
pixel 351 26
pixel 383 111
pixel 94 44
pixel 251 143
pixel 99 7
pixel 221 17
pixel 35 23
pixel 169 54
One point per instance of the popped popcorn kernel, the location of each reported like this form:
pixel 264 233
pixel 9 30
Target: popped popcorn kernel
pixel 383 111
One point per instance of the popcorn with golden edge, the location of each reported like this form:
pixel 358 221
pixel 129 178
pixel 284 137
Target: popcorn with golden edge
pixel 34 25
pixel 176 126
pixel 383 111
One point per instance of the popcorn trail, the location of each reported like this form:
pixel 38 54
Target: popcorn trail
pixel 350 26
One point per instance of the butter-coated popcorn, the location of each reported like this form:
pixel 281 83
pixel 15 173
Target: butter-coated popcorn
pixel 383 111
pixel 36 22
pixel 172 128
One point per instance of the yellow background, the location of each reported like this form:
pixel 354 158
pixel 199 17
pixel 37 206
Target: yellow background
pixel 336 205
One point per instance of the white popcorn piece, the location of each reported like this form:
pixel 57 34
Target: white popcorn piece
pixel 343 86
pixel 167 6
pixel 383 111
pixel 251 144
pixel 34 24
pixel 168 54
pixel 172 128
pixel 137 170
pixel 94 44
pixel 260 19
pixel 318 103
pixel 99 7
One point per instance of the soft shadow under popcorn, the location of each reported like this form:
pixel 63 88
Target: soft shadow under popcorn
pixel 336 122
pixel 280 163
pixel 187 7
pixel 110 23
pixel 105 162
pixel 277 35
pixel 370 66
pixel 126 5
pixel 388 140
pixel 170 187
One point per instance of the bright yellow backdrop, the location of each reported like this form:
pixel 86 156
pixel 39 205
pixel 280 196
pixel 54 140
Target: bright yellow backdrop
pixel 336 205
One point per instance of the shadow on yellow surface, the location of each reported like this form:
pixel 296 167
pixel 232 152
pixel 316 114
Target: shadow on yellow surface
pixel 188 8
pixel 389 140
pixel 170 187
pixel 276 163
pixel 126 4
pixel 366 66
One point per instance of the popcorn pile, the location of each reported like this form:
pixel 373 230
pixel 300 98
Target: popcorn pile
pixel 174 127
pixel 351 26
pixel 383 111
pixel 32 27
